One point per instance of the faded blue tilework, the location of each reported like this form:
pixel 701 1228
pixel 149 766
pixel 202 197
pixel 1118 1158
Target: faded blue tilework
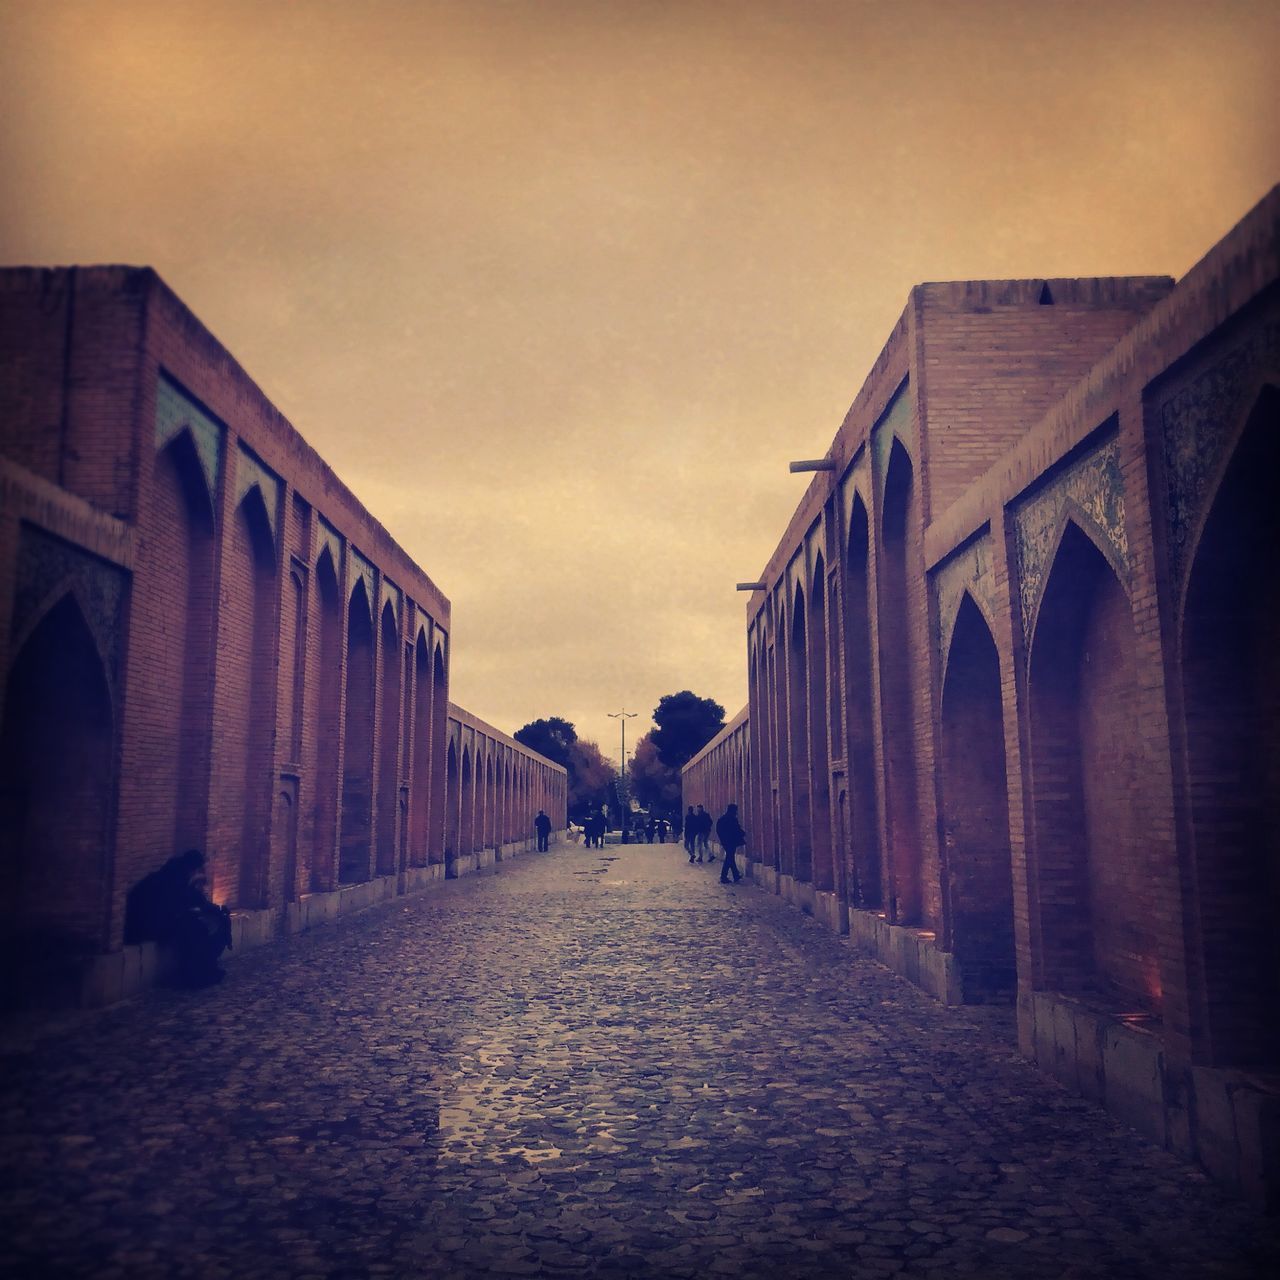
pixel 1092 491
pixel 46 564
pixel 391 593
pixel 360 567
pixel 1197 424
pixel 971 569
pixel 897 420
pixel 251 472
pixel 176 410
pixel 331 538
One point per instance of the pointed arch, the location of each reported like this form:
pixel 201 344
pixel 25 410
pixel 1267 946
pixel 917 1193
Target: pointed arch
pixel 898 539
pixel 243 763
pixel 798 736
pixel 974 815
pixel 357 741
pixel 180 551
pixel 453 805
pixel 863 821
pixel 1091 878
pixel 423 765
pixel 57 754
pixel 467 826
pixel 438 805
pixel 328 719
pixel 391 675
pixel 819 747
pixel 1230 668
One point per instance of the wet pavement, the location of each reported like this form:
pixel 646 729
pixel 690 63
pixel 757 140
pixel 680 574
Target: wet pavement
pixel 596 1062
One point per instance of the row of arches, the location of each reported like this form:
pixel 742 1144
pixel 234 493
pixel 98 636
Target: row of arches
pixel 721 774
pixel 838 791
pixel 493 792
pixel 293 727
pixel 835 793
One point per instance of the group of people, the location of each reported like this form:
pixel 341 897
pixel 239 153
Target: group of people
pixel 656 829
pixel 697 835
pixel 729 832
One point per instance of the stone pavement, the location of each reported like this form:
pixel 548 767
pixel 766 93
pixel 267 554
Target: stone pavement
pixel 596 1062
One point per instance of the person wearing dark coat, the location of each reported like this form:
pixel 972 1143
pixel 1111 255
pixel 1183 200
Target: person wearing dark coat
pixel 732 837
pixel 690 831
pixel 704 834
pixel 542 825
pixel 170 907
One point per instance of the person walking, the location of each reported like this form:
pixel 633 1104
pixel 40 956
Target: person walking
pixel 649 828
pixel 704 835
pixel 732 837
pixel 690 832
pixel 542 825
pixel 662 831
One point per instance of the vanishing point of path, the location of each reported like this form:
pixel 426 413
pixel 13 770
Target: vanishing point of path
pixel 597 1062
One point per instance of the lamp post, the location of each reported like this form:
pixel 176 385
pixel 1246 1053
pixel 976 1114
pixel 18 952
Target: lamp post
pixel 622 716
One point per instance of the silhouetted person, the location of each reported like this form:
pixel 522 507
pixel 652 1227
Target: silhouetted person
pixel 690 832
pixel 171 907
pixel 732 837
pixel 542 825
pixel 662 830
pixel 649 828
pixel 704 835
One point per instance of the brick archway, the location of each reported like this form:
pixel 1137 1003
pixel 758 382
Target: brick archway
pixel 176 760
pixel 238 840
pixel 357 750
pixel 423 765
pixel 798 723
pixel 328 598
pixel 1230 643
pixel 824 871
pixel 975 810
pixel 896 691
pixel 452 806
pixel 467 825
pixel 57 766
pixel 864 827
pixel 389 740
pixel 1091 874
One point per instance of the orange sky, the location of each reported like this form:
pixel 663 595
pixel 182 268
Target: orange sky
pixel 559 288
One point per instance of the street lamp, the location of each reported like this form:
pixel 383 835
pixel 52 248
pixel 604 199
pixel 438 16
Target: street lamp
pixel 623 716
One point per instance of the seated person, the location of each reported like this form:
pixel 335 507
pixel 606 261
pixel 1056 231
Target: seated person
pixel 171 907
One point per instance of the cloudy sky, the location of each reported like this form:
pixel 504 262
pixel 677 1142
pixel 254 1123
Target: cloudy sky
pixel 559 288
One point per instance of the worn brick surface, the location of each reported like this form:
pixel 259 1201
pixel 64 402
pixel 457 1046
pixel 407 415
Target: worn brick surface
pixel 597 1062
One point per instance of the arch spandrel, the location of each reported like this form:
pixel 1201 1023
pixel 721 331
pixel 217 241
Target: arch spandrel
pixel 896 424
pixel 177 412
pixel 1200 421
pixel 251 474
pixel 48 569
pixel 969 570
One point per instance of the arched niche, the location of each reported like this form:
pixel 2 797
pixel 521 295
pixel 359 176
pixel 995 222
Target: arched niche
pixel 1230 659
pixel 975 810
pixel 57 755
pixel 862 821
pixel 1093 883
pixel 897 689
pixel 357 750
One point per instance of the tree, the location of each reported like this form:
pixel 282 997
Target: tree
pixel 590 773
pixel 654 784
pixel 590 777
pixel 685 724
pixel 553 738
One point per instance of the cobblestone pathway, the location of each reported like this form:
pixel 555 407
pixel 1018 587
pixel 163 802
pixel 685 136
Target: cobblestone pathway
pixel 596 1062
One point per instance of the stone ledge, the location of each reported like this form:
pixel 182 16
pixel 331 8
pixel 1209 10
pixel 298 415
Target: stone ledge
pixel 117 975
pixel 1228 1121
pixel 913 953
